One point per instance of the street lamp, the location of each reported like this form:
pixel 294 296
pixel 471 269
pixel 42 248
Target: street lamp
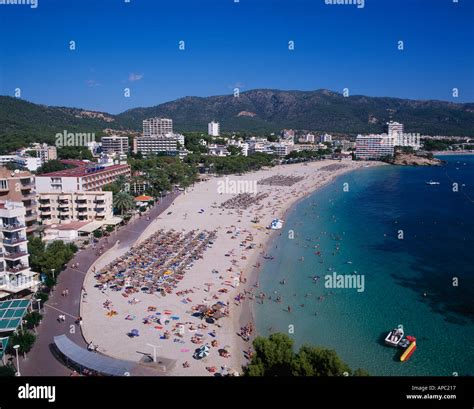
pixel 38 300
pixel 17 373
pixel 52 272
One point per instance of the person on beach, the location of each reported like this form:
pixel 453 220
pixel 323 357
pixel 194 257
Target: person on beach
pixel 289 309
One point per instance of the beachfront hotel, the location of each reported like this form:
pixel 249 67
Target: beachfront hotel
pixel 82 177
pixel 15 274
pixel 169 144
pixel 157 126
pixel 66 207
pixel 400 138
pixel 374 146
pixel 19 186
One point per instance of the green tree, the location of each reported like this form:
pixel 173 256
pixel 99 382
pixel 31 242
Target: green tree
pixel 7 370
pixel 32 319
pixel 51 166
pixel 275 356
pixel 25 339
pixel 75 152
pixel 123 202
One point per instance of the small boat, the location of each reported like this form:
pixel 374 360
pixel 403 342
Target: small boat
pixel 410 349
pixel 431 182
pixel 404 343
pixel 394 337
pixel 276 224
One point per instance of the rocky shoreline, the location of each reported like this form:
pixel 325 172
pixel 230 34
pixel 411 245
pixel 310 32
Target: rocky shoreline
pixel 409 159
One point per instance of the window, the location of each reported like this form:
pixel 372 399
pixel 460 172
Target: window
pixel 3 184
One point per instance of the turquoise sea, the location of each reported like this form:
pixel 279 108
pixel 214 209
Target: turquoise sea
pixel 411 242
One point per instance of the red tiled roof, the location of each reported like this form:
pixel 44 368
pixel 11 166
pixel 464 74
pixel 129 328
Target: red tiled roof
pixel 143 198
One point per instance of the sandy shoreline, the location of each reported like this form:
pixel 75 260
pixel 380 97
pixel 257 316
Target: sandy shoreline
pixel 239 246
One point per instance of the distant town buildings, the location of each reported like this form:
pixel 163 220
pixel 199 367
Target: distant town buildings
pixel 15 273
pixel 157 126
pixel 19 186
pixel 307 138
pixel 213 129
pixel 325 138
pixel 217 150
pixel 63 207
pixel 115 144
pixel 45 152
pixel 244 146
pixel 82 177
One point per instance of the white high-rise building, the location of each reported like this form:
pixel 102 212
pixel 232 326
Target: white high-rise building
pixel 400 138
pixel 214 129
pixel 15 273
pixel 395 129
pixel 157 126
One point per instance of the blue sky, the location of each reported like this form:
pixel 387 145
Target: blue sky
pixel 229 44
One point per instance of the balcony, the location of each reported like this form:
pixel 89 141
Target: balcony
pixel 23 283
pixel 15 255
pixel 64 209
pixel 30 195
pixel 30 204
pixel 14 241
pixel 27 185
pixel 18 268
pixel 31 216
pixel 12 227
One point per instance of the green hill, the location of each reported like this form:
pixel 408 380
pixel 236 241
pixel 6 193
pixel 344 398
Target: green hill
pixel 253 111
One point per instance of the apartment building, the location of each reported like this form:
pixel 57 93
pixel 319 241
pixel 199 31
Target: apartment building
pixel 81 177
pixel 213 128
pixel 218 150
pixel 45 152
pixel 66 207
pixel 15 273
pixel 170 144
pixel 115 144
pixel 19 186
pixel 244 146
pixel 157 126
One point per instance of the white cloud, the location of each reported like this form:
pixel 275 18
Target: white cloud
pixel 135 77
pixel 92 83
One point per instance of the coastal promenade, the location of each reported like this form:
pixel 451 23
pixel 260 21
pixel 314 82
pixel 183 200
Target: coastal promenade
pixel 40 361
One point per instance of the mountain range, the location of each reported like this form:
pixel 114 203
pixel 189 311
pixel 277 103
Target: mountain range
pixel 256 111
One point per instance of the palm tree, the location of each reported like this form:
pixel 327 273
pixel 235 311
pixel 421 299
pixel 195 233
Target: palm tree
pixel 123 201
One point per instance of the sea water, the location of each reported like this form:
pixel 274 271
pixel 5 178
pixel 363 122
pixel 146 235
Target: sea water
pixel 414 245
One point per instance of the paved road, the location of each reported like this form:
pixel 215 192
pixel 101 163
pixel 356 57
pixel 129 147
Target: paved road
pixel 40 360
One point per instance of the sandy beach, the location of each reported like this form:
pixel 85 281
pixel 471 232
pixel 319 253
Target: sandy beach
pixel 210 245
